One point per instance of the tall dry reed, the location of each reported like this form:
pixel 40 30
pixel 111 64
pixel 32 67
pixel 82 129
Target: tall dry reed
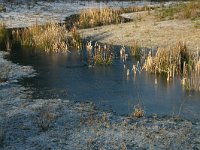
pixel 50 37
pixel 99 16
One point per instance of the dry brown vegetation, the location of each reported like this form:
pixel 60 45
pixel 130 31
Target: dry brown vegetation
pixel 3 34
pixel 138 111
pixel 104 16
pixel 97 17
pixel 50 37
pixel 98 54
pixel 177 60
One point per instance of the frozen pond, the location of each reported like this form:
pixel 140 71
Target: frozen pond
pixel 67 77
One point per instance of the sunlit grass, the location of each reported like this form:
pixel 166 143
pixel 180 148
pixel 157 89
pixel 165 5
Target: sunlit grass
pixel 50 37
pixel 99 16
pixel 105 16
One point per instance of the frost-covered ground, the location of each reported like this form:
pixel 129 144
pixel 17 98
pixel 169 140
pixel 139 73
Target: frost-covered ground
pixel 25 13
pixel 32 124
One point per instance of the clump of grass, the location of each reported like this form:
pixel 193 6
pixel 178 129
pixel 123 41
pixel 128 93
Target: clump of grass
pixel 98 17
pixel 103 55
pixel 138 111
pixel 104 118
pixel 50 37
pixel 45 118
pixel 177 60
pixel 191 74
pixel 168 61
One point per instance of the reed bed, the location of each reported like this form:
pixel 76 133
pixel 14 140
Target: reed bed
pixel 167 60
pixel 99 55
pixel 98 17
pixel 104 16
pixel 50 37
pixel 177 60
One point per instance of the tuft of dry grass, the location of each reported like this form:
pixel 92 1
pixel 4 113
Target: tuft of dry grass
pixel 98 54
pixel 138 111
pixel 50 37
pixel 135 49
pixel 45 118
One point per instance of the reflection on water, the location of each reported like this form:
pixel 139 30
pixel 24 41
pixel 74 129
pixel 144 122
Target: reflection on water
pixel 67 76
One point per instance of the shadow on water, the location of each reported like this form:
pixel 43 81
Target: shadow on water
pixel 67 76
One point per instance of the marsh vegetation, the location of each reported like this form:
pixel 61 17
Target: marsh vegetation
pixel 50 37
pixel 181 10
pixel 94 17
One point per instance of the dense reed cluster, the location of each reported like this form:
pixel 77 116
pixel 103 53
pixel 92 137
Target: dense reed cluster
pixel 177 60
pixel 98 54
pixel 174 61
pixel 104 16
pixel 99 16
pixel 168 60
pixel 50 37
